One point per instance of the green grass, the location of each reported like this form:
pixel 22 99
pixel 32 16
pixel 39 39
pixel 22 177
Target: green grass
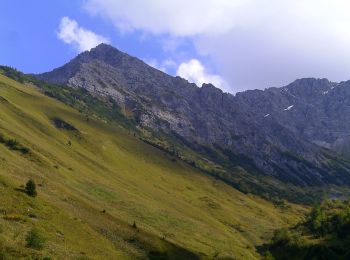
pixel 236 170
pixel 91 191
pixel 323 235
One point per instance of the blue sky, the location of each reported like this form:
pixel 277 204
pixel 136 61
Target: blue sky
pixel 234 44
pixel 30 43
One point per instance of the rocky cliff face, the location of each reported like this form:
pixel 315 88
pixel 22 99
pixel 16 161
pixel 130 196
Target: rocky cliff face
pixel 293 133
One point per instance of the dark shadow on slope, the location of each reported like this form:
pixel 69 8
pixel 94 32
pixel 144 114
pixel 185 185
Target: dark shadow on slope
pixel 61 124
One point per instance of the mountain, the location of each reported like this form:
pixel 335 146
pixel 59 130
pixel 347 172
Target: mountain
pixel 131 162
pixel 296 135
pixel 103 193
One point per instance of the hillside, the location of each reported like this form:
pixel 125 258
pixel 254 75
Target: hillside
pixel 280 142
pixel 96 178
pixel 323 235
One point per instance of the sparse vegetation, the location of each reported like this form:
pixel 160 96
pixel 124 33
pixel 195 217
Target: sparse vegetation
pixel 13 144
pixel 35 239
pixel 4 255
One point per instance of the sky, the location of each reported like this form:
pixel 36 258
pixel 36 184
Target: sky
pixel 234 44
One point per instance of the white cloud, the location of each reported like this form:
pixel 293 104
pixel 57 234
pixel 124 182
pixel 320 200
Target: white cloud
pixel 194 71
pixel 253 43
pixel 180 18
pixel 81 38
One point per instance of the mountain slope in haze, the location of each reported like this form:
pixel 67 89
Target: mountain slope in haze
pixel 296 134
pixel 95 180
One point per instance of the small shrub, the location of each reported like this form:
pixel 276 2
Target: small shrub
pixel 31 188
pixel 24 150
pixel 32 215
pixel 34 239
pixel 12 144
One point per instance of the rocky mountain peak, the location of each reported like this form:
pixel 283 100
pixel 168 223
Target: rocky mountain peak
pixel 309 87
pixel 104 47
pixel 104 56
pixel 106 53
pixel 281 130
pixel 210 87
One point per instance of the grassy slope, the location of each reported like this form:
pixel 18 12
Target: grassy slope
pixel 324 235
pixel 105 168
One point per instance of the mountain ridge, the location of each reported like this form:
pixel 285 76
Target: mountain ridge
pixel 279 129
pixel 102 193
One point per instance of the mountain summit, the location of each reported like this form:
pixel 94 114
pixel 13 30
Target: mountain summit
pixel 297 134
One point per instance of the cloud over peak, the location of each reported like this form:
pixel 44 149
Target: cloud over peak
pixel 80 38
pixel 194 71
pixel 252 43
pixel 179 18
